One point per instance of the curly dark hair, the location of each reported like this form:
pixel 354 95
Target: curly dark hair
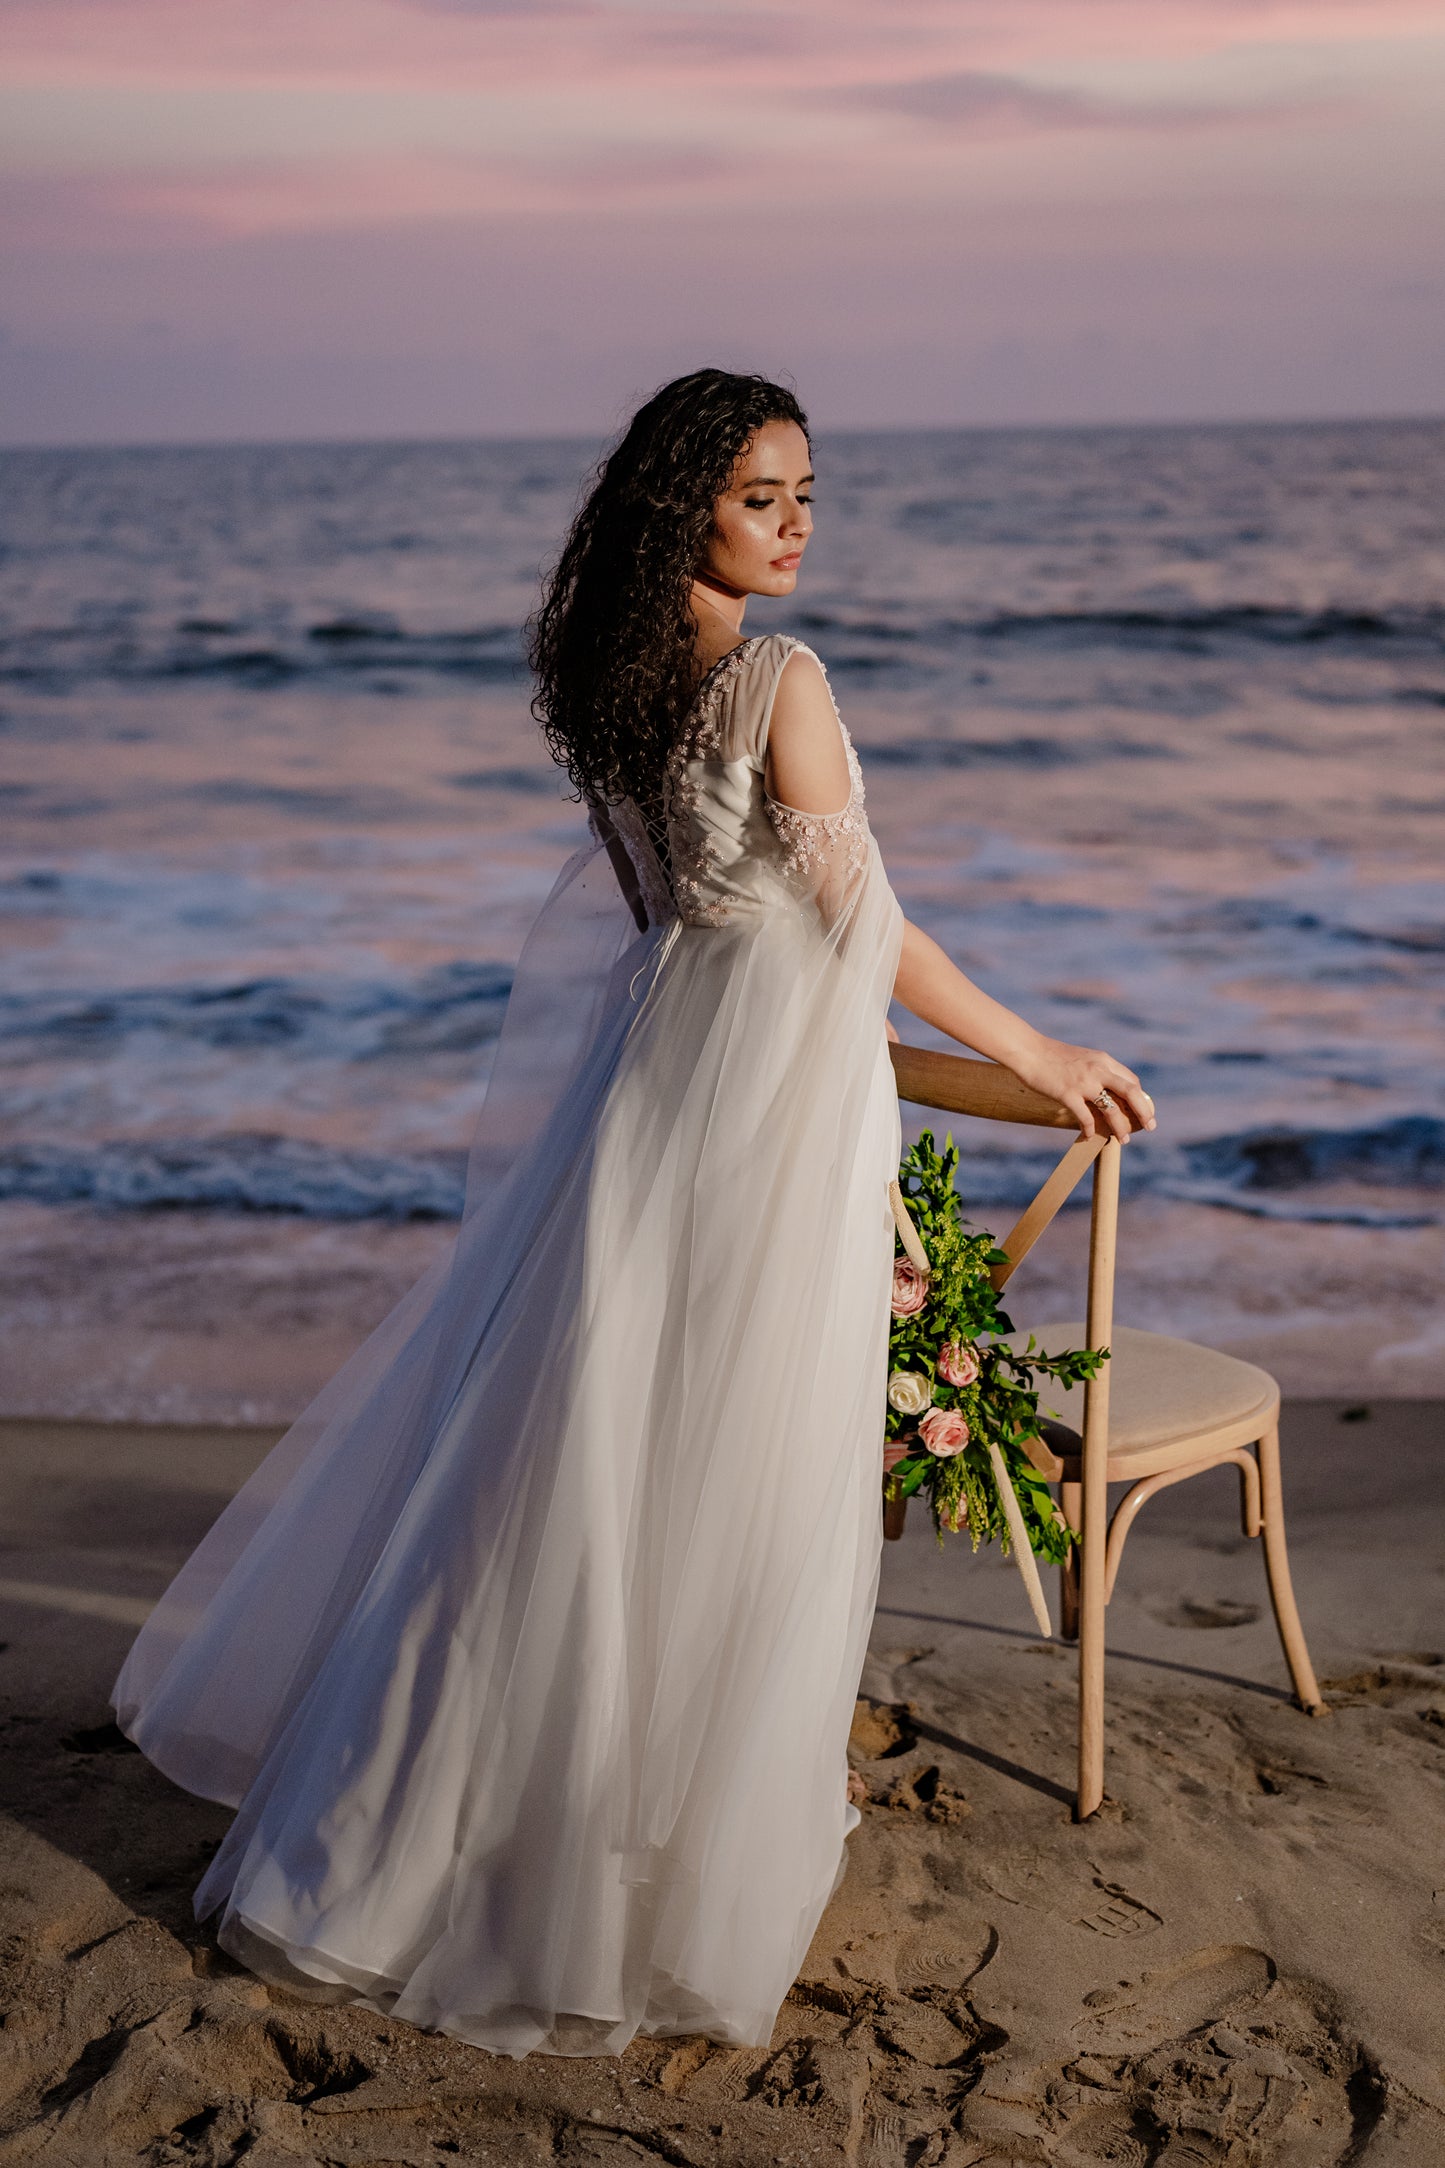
pixel 612 643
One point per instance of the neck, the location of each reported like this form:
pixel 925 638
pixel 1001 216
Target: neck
pixel 718 601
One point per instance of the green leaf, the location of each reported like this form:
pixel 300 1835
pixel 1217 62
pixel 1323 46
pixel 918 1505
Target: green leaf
pixel 1002 1406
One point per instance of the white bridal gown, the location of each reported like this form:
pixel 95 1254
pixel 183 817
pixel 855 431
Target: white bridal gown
pixel 527 1658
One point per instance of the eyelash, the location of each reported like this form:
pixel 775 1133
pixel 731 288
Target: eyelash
pixel 760 504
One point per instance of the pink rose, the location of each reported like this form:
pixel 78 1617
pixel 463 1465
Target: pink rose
pixel 957 1363
pixel 910 1288
pixel 892 1454
pixel 944 1432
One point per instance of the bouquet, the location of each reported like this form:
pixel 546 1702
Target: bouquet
pixel 962 1403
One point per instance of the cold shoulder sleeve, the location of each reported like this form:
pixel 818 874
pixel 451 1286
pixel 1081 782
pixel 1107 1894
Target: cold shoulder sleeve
pixel 823 856
pixel 746 688
pixel 824 851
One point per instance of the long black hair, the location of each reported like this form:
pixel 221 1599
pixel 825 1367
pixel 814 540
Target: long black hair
pixel 612 643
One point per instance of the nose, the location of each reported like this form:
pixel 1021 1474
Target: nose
pixel 799 519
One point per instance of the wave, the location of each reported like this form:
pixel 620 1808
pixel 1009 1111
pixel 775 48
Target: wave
pixel 1407 1153
pixel 362 647
pixel 537 782
pixel 1281 1173
pixel 1417 626
pixel 340 648
pixel 1033 752
pixel 239 1172
pixel 1242 918
pixel 1310 1177
pixel 1254 621
pixel 453 1008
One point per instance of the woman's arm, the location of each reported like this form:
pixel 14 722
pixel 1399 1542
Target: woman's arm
pixel 937 991
pixel 807 768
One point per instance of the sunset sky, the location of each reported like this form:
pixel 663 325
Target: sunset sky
pixel 268 218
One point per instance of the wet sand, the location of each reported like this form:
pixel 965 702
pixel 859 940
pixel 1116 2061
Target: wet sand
pixel 1240 1961
pixel 195 1317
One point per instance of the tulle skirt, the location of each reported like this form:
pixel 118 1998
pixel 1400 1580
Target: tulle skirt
pixel 528 1658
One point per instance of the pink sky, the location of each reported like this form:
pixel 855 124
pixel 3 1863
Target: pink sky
pixel 257 218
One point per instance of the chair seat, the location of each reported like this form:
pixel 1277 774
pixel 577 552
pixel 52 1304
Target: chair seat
pixel 1169 1400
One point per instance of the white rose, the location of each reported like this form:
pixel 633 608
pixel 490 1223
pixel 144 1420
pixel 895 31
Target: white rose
pixel 909 1392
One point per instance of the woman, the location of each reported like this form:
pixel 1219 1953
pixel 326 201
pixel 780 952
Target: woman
pixel 527 1658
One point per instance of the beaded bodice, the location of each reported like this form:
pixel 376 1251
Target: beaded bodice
pixel 715 845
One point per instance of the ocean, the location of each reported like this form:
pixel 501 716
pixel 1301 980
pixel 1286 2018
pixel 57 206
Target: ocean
pixel 1153 729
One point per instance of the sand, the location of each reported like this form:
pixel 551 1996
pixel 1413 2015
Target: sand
pixel 1241 1960
pixel 158 1317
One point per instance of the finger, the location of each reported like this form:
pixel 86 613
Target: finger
pixel 1111 1119
pixel 1140 1106
pixel 1129 1092
pixel 1082 1112
pixel 1114 1118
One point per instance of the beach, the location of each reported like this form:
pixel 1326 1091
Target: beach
pixel 1150 722
pixel 1238 1961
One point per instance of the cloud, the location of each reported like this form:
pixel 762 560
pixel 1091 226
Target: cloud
pixel 774 49
pixel 421 180
pixel 978 101
pixel 483 9
pixel 448 44
pixel 65 213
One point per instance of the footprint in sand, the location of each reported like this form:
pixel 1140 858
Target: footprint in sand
pixel 910 1963
pixel 1080 1894
pixel 922 1964
pixel 1215 2061
pixel 883 2147
pixel 1218 1611
pixel 1281 1780
pixel 1120 1914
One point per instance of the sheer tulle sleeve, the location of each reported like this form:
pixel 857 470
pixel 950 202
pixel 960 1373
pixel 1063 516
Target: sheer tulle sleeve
pixel 825 854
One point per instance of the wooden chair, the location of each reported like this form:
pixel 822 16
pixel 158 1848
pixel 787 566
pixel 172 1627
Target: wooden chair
pixel 1160 1409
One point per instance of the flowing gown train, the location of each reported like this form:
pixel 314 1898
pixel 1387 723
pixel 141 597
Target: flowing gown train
pixel 527 1657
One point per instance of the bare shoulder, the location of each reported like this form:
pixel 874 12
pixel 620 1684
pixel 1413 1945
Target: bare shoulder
pixel 807 765
pixel 802 689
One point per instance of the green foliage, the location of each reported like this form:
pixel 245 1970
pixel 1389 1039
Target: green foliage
pixel 1002 1403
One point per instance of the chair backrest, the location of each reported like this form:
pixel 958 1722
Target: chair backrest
pixel 955 1085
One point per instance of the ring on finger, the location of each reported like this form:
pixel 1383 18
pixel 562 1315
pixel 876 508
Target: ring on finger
pixel 1104 1099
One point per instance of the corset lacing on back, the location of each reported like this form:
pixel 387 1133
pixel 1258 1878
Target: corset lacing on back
pixel 654 820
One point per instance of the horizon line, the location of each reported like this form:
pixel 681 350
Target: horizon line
pixel 311 441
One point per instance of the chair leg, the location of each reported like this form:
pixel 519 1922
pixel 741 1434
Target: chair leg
pixel 1071 1500
pixel 1281 1589
pixel 1092 1600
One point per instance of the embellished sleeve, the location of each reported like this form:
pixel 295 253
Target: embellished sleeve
pixel 825 853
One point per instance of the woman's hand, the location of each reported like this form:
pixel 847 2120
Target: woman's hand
pixel 1080 1077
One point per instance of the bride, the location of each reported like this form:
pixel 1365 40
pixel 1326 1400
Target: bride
pixel 527 1658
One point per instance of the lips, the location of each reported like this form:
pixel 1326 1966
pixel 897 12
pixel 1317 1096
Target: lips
pixel 790 563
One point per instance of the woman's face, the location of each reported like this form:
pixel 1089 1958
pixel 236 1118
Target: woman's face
pixel 762 521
